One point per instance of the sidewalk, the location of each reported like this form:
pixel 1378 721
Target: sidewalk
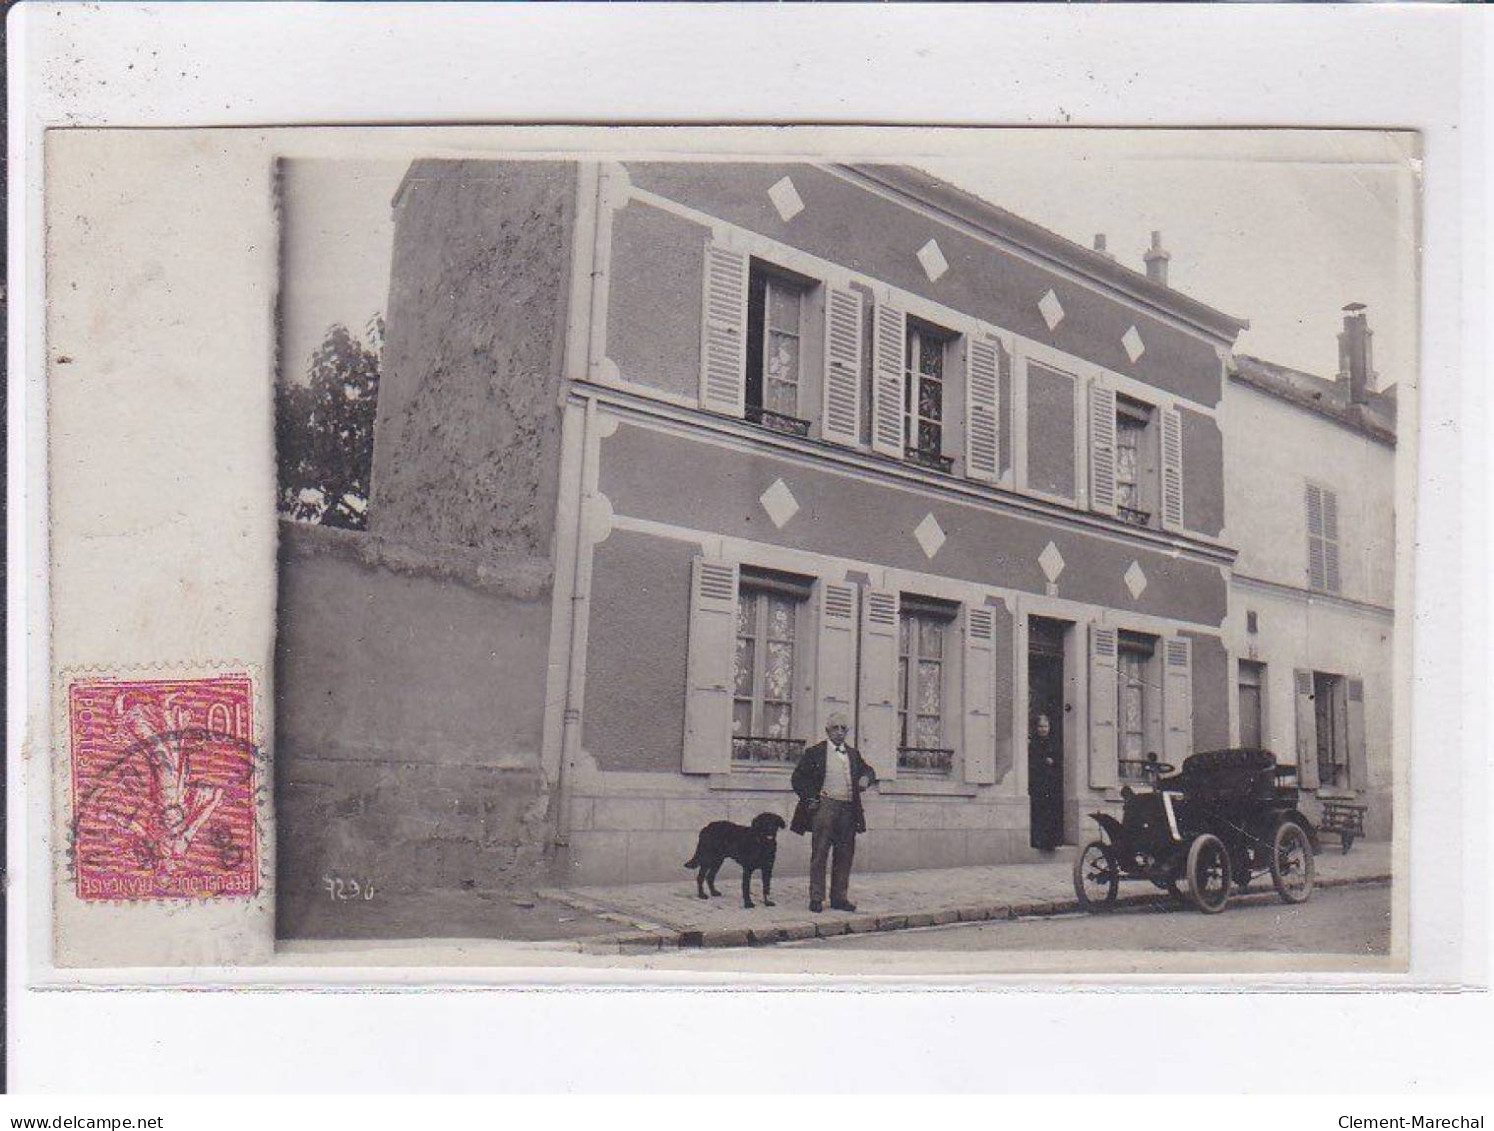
pixel 670 915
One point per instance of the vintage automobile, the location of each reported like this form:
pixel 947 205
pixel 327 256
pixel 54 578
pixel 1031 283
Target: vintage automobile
pixel 1226 817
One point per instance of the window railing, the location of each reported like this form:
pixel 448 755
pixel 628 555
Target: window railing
pixel 777 421
pixel 924 760
pixel 1134 516
pixel 926 457
pixel 762 750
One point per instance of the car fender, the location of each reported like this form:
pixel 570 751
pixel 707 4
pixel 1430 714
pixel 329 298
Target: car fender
pixel 1266 828
pixel 1110 826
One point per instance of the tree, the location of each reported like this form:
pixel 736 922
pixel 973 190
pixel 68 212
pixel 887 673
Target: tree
pixel 324 430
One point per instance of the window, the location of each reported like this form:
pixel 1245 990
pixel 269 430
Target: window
pixel 764 719
pixel 775 315
pixel 1135 462
pixel 923 395
pixel 1322 539
pixel 1331 714
pixel 1252 686
pixel 1135 706
pixel 922 686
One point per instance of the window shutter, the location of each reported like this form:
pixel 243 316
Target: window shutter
pixel 877 738
pixel 1358 752
pixel 1101 448
pixel 982 410
pixel 709 666
pixel 1005 676
pixel 1172 469
pixel 978 700
pixel 889 347
pixel 1330 541
pixel 723 353
pixel 1317 576
pixel 1307 731
pixel 1177 700
pixel 840 419
pixel 835 657
pixel 1103 749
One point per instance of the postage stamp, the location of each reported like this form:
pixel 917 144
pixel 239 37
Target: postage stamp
pixel 163 788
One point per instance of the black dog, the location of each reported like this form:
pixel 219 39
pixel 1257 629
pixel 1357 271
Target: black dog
pixel 753 848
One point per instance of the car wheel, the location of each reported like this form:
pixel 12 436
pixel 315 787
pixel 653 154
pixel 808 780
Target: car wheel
pixel 1096 876
pixel 1208 874
pixel 1292 865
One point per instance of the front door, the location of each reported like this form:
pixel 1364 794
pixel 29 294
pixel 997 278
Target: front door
pixel 1045 732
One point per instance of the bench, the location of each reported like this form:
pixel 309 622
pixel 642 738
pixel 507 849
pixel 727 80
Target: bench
pixel 1345 820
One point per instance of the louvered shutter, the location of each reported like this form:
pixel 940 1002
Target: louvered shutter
pixel 1331 578
pixel 710 666
pixel 1358 751
pixel 1317 575
pixel 982 410
pixel 979 689
pixel 1177 700
pixel 1004 712
pixel 723 353
pixel 889 346
pixel 1307 730
pixel 840 418
pixel 1103 749
pixel 1101 448
pixel 878 736
pixel 1172 469
pixel 835 659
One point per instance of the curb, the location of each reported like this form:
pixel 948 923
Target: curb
pixel 642 942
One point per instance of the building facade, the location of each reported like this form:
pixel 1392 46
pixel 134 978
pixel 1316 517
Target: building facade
pixel 800 439
pixel 1311 467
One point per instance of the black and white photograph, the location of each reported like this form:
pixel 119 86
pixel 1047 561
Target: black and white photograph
pixel 844 555
pixel 761 548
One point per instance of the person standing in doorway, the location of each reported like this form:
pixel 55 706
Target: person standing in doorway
pixel 829 779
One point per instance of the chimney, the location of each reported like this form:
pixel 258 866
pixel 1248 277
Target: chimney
pixel 1156 260
pixel 1100 245
pixel 1355 357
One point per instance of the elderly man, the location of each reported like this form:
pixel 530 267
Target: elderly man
pixel 829 779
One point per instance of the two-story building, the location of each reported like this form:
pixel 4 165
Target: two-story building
pixel 1310 464
pixel 811 438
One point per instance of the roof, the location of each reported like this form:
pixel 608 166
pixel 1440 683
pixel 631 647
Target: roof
pixel 1329 398
pixel 1008 226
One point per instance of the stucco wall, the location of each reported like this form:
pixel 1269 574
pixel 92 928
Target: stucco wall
pixel 468 425
pixel 1271 450
pixel 654 302
pixel 635 656
pixel 700 486
pixel 1050 431
pixel 1203 474
pixel 1212 688
pixel 847 224
pixel 409 695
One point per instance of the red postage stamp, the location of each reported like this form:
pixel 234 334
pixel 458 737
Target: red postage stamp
pixel 164 784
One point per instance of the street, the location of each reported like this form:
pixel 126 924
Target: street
pixel 1347 920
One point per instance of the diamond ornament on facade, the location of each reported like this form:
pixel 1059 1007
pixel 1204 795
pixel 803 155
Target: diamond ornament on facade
pixel 786 199
pixel 1051 561
pixel 1051 310
pixel 932 258
pixel 1134 345
pixel 779 502
pixel 930 535
pixel 1135 581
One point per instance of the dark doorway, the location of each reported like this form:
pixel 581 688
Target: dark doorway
pixel 1045 715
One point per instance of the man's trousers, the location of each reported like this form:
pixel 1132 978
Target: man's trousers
pixel 834 830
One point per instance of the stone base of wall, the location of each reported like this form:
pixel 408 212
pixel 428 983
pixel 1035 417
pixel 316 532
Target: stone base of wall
pixel 641 839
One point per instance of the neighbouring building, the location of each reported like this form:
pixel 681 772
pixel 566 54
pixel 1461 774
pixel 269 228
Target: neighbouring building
pixel 675 459
pixel 1310 467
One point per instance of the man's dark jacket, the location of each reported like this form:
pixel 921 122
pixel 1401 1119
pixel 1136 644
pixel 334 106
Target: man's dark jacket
pixel 809 780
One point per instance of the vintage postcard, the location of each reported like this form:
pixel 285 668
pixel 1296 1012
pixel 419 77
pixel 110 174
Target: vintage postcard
pixel 843 551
